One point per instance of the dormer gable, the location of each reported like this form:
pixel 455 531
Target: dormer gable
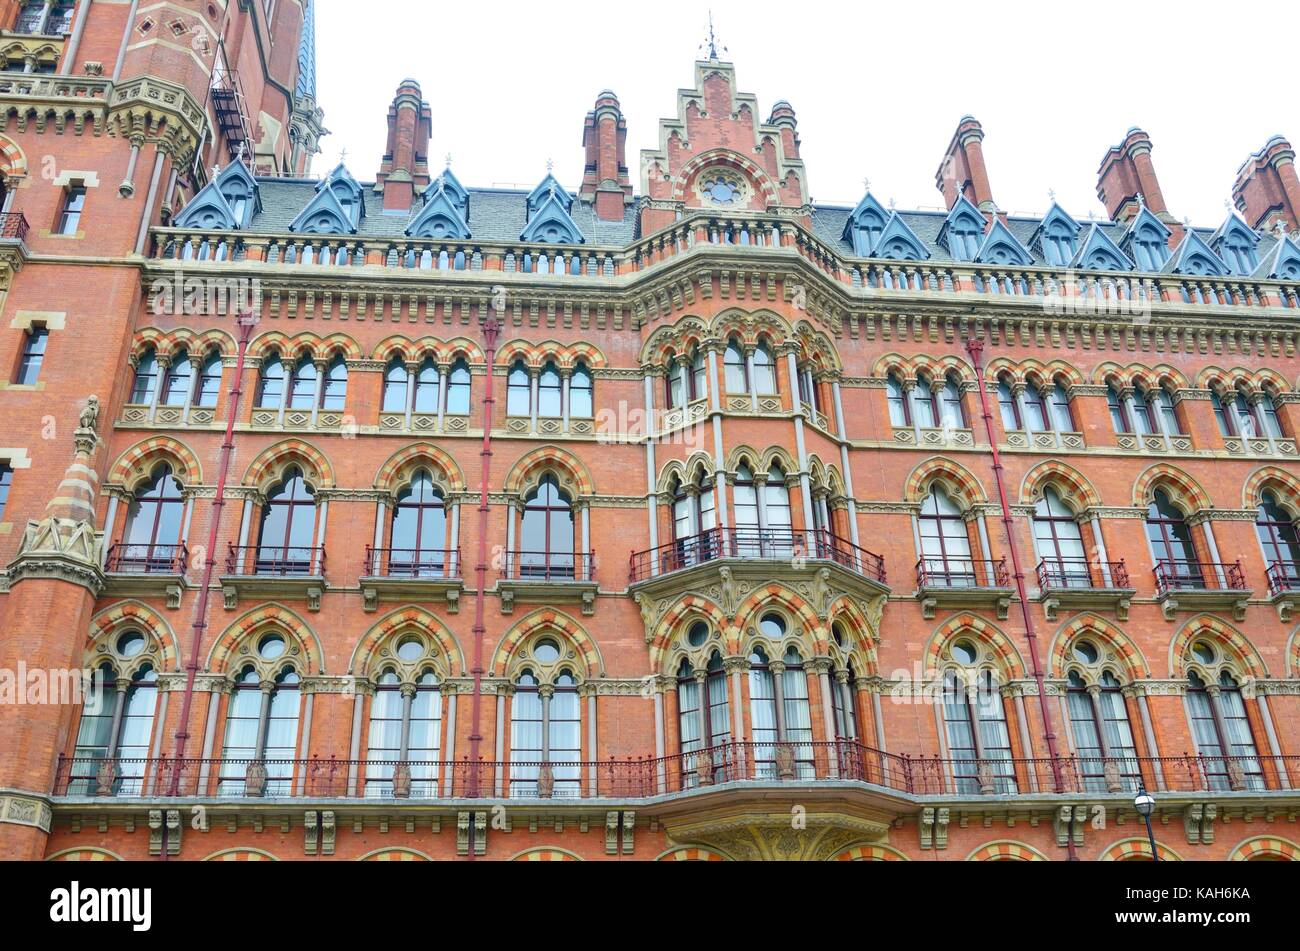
pixel 207 211
pixel 1283 262
pixel 440 217
pixel 545 189
pixel 551 224
pixel 456 193
pixel 1056 237
pixel 1002 247
pixel 1194 256
pixel 1146 241
pixel 1235 242
pixel 239 199
pixel 324 214
pixel 962 233
pixel 865 225
pixel 898 242
pixel 1100 253
pixel 347 193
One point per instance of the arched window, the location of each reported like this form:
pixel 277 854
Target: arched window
pixel 261 728
pixel 519 396
pixel 302 387
pixel 116 726
pixel 1119 420
pixel 694 519
pixel 146 379
pixel 1163 407
pixel 809 391
pixel 550 392
pixel 979 743
pixel 1248 424
pixel 1144 411
pixel 209 382
pixel 426 387
pixel 419 537
pixel 764 371
pixel 703 718
pixel 1103 738
pixel 744 497
pixel 1280 541
pixel 776 503
pixel 395 385
pixel 580 393
pixel 545 732
pixel 945 543
pixel 1222 732
pixel 1059 407
pixel 843 689
pixel 152 538
pixel 1059 543
pixel 737 374
pixel 686 380
pixel 270 384
pixel 1269 416
pixel 405 728
pixel 954 414
pixel 762 714
pixel 925 404
pixel 286 541
pixel 458 389
pixel 334 393
pixel 546 538
pixel 796 715
pixel 1172 548
pixel 900 413
pixel 177 380
pixel 1009 405
pixel 1222 416
pixel 1035 410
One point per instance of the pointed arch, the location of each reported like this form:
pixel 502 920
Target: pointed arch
pixel 1127 656
pixel 137 464
pixel 397 470
pixel 587 654
pixel 776 594
pixel 1286 485
pixel 275 343
pixel 1239 653
pixel 397 346
pixel 1293 654
pixel 1006 850
pixel 367 654
pixel 1265 846
pixel 864 631
pixel 664 646
pixel 1182 489
pixel 13 161
pixel 134 615
pixel 817 347
pixel 268 468
pixel 1072 485
pixel 304 646
pixel 699 464
pixel 571 471
pixel 457 348
pixel 870 853
pixel 325 348
pixel 751 326
pixel 1127 849
pixel 1010 665
pixel 671 340
pixel 894 363
pixel 960 483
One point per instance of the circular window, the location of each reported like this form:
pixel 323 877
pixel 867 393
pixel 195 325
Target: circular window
pixel 720 191
pixel 410 649
pixel 964 652
pixel 547 652
pixel 130 644
pixel 698 634
pixel 1203 652
pixel 772 626
pixel 271 646
pixel 1085 652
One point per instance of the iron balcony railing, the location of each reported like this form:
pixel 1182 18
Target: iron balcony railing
pixel 548 566
pixel 275 561
pixel 128 559
pixel 754 544
pixel 13 224
pixel 962 573
pixel 411 563
pixel 775 763
pixel 1283 577
pixel 1080 574
pixel 1174 575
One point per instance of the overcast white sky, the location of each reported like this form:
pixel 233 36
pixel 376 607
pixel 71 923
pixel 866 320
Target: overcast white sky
pixel 878 88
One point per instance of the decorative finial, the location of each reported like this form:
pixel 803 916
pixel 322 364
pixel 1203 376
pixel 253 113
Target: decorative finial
pixel 1051 195
pixel 216 170
pixel 866 184
pixel 343 156
pixel 448 165
pixel 711 42
pixel 891 202
pixel 1279 228
pixel 1092 215
pixel 243 150
pixel 1142 200
pixel 550 166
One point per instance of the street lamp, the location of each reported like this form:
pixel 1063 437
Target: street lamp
pixel 1145 804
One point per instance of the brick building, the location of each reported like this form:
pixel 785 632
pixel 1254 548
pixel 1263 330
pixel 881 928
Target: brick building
pixel 676 517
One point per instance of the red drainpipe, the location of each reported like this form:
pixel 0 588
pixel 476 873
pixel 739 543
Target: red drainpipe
pixel 976 350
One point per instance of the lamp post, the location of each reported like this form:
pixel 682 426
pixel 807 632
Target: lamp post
pixel 1145 804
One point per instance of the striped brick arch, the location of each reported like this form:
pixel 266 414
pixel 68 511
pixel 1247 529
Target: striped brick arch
pixel 13 163
pixel 894 363
pixel 1283 484
pixel 1045 374
pixel 1293 654
pixel 1006 852
pixel 1234 645
pixel 977 629
pixel 1266 847
pixel 546 855
pixel 776 594
pixel 678 618
pixel 225 652
pixel 394 855
pixel 135 615
pixel 1129 850
pixel 564 356
pixel 563 627
pixel 401 621
pixel 84 854
pixel 306 344
pixel 241 855
pixel 1182 489
pixel 764 188
pixel 1073 487
pixel 1128 658
pixel 269 466
pixel 138 463
pixel 571 471
pixel 750 326
pixel 396 472
pixel 956 478
pixel 871 853
pixel 168 344
pixel 817 346
pixel 690 855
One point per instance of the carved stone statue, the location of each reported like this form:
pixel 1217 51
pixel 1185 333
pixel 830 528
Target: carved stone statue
pixel 90 415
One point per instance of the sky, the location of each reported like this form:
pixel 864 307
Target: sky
pixel 878 88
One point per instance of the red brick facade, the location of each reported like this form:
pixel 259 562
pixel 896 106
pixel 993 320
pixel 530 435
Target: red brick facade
pixel 526 684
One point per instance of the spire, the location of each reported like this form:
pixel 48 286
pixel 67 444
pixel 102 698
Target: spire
pixel 710 43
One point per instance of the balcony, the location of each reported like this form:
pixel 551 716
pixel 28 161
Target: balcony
pixel 263 571
pixel 752 544
pixel 408 574
pixel 538 577
pixel 964 583
pixel 1197 586
pixel 1089 585
pixel 1284 587
pixel 147 570
pixel 13 225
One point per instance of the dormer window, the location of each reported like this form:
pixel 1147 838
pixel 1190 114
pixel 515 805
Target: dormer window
pixel 1058 246
pixel 1150 250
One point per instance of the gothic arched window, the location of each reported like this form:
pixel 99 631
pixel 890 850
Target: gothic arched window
pixel 286 541
pixel 419 531
pixel 458 389
pixel 395 386
pixel 546 538
pixel 151 541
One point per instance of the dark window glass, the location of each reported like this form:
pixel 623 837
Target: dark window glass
pixel 546 538
pixel 288 527
pixel 146 378
pixel 419 528
pixel 580 393
pixel 176 386
pixel 209 382
pixel 74 202
pixel 270 389
pixel 29 365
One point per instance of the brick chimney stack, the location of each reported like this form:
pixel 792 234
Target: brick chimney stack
pixel 1126 170
pixel 405 168
pixel 1267 187
pixel 962 171
pixel 783 118
pixel 605 181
